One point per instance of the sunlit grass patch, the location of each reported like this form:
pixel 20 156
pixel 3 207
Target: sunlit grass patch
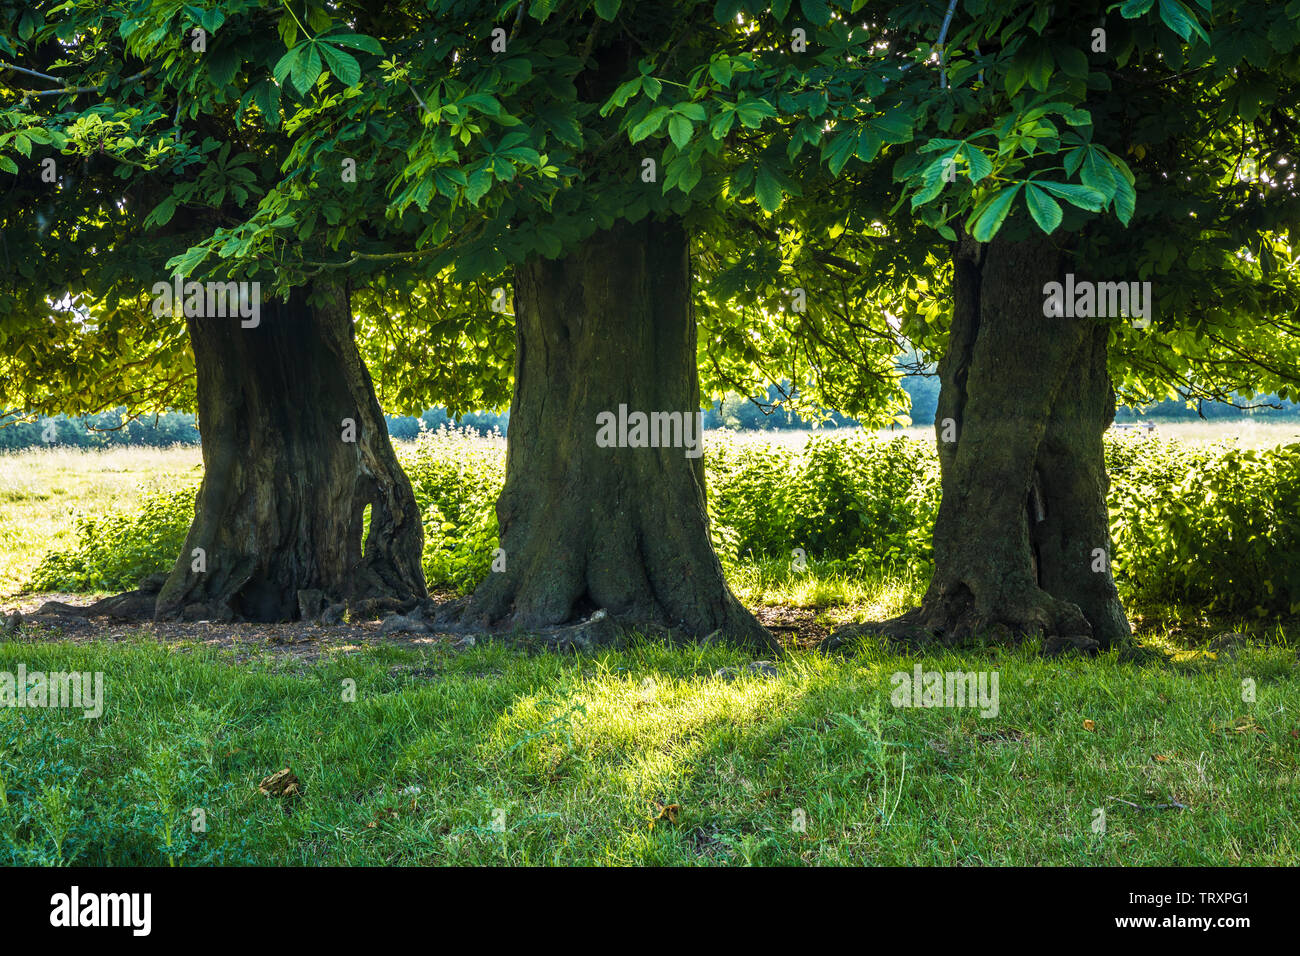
pixel 873 594
pixel 645 728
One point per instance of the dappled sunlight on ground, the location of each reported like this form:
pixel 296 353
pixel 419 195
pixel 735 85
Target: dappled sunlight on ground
pixel 645 732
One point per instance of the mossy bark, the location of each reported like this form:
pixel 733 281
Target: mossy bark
pixel 585 527
pixel 280 512
pixel 1021 541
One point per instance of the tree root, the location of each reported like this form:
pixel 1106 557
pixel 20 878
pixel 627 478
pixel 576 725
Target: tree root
pixel 913 632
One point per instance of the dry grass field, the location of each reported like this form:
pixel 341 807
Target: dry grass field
pixel 41 490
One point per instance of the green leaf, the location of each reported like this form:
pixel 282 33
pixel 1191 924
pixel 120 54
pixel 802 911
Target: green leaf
pixel 987 219
pixel 1082 196
pixel 936 144
pixel 1097 173
pixel 541 10
pixel 894 127
pixel 721 124
pixel 284 65
pixel 930 190
pixel 211 20
pixel 868 145
pixel 1074 62
pixel 1181 20
pixel 680 130
pixel 752 111
pixel 689 177
pixel 767 188
pixel 1017 73
pixel 1125 201
pixel 483 102
pixel 163 212
pixel 648 126
pixel 27 24
pixel 607 9
pixel 622 95
pixel 341 65
pixel 355 41
pixel 223 63
pixel 479 183
pixel 980 164
pixel 267 97
pixel 306 69
pixel 932 178
pixel 1133 9
pixel 1045 210
pixel 1039 70
pixel 523 154
pixel 839 150
pixel 724 11
pixel 816 11
pixel 1074 159
pixel 8 165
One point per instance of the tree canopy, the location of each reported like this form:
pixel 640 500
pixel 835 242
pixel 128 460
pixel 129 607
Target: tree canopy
pixel 423 151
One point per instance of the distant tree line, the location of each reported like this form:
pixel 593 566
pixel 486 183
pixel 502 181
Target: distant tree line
pixel 107 429
pixel 407 427
pixel 1175 410
pixel 113 428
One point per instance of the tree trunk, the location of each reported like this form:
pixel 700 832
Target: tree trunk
pixel 281 509
pixel 1022 544
pixel 585 527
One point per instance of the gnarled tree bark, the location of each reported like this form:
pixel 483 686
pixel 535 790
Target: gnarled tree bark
pixel 585 527
pixel 280 512
pixel 1021 542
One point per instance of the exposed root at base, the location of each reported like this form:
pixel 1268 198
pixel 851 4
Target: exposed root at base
pixel 906 632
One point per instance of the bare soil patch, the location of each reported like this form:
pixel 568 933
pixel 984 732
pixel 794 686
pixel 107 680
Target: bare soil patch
pixel 300 640
pixel 794 628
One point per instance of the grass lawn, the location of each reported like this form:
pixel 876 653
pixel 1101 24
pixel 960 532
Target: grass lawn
pixel 493 756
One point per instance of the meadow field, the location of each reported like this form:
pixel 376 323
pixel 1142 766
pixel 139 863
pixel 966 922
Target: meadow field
pixel 42 489
pixel 1245 433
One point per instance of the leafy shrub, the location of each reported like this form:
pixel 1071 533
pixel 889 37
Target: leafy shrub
pixel 865 499
pixel 1212 525
pixel 456 478
pixel 1217 526
pixel 114 551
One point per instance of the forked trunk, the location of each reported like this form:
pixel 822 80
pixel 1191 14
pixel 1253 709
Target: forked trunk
pixel 583 526
pixel 1022 544
pixel 287 481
